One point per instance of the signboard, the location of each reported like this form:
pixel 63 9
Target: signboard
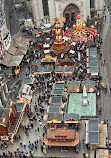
pixel 4 138
pixel 60 136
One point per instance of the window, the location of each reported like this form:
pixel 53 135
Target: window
pixel 92 14
pixel 45 7
pixel 91 3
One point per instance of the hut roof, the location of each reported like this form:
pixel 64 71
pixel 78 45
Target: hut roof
pixel 93 59
pixel 59 69
pixel 56 99
pixel 54 109
pixel 54 116
pixel 68 69
pixel 93 64
pixel 66 60
pixel 88 82
pixel 58 92
pixel 77 83
pixel 47 69
pixel 38 69
pixel 59 86
pixel 94 70
pixel 93 131
pixel 36 61
pixel 71 116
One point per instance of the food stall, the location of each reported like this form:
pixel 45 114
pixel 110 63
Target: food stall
pixel 55 100
pixel 59 85
pixel 54 109
pixel 38 71
pixel 59 70
pixel 47 70
pixel 68 70
pixel 73 86
pixel 93 71
pixel 48 60
pixel 66 61
pixel 92 64
pixel 57 92
pixel 90 85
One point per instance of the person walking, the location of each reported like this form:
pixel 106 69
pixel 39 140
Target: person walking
pixel 38 129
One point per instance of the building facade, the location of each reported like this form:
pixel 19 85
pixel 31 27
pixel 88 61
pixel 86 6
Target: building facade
pixel 5 38
pixel 46 10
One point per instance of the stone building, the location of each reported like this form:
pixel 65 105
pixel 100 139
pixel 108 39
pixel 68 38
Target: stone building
pixel 46 10
pixel 5 38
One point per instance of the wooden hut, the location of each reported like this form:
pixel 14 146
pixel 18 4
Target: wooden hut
pixel 71 119
pixel 59 85
pixel 36 63
pixel 93 71
pixel 59 70
pixel 90 85
pixel 66 61
pixel 73 86
pixel 38 70
pixel 92 133
pixel 68 70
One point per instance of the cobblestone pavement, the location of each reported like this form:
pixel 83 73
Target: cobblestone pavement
pixel 103 100
pixel 35 135
pixel 105 70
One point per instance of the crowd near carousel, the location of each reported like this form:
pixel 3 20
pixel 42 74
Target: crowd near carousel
pixel 59 92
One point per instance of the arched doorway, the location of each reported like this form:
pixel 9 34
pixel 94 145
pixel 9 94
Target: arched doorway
pixel 71 12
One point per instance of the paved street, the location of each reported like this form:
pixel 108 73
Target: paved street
pixel 105 70
pixel 104 100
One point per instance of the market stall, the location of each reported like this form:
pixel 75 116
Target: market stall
pixel 55 100
pixel 68 70
pixel 73 86
pixel 47 70
pixel 36 63
pixel 93 71
pixel 59 85
pixel 92 59
pixel 54 109
pixel 57 92
pixel 92 64
pixel 71 119
pixel 54 118
pixel 59 70
pixel 90 85
pixel 48 60
pixel 38 70
pixel 66 61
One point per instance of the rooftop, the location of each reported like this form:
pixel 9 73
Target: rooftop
pixel 59 86
pixel 57 92
pixel 60 133
pixel 75 105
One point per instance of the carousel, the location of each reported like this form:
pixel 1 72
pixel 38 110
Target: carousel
pixel 80 32
pixel 59 46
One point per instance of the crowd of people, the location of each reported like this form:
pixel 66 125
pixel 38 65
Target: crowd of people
pixel 42 92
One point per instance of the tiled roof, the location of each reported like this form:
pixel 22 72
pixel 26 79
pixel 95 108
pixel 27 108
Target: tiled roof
pixel 71 116
pixel 55 116
pixel 60 134
pixel 88 82
pixel 77 83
